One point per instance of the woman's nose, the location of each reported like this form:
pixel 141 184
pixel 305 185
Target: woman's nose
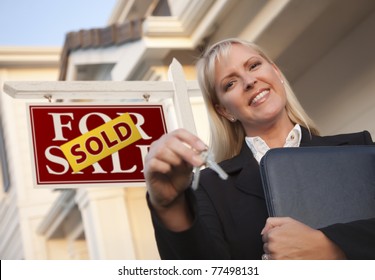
pixel 249 83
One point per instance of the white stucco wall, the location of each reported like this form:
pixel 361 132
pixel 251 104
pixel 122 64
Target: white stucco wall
pixel 22 207
pixel 339 90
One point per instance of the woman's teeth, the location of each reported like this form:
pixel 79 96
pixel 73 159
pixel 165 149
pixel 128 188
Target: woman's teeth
pixel 259 96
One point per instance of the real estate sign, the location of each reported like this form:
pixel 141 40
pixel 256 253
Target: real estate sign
pixel 90 145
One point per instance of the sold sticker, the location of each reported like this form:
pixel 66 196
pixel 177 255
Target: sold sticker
pixel 101 142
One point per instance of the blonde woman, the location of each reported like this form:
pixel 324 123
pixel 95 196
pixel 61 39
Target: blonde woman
pixel 252 109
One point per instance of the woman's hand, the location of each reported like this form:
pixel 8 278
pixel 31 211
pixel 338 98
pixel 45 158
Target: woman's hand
pixel 168 173
pixel 286 238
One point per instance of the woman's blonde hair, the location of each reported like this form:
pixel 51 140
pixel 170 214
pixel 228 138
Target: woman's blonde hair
pixel 226 137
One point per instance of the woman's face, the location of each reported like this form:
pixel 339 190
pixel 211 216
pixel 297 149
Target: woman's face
pixel 249 89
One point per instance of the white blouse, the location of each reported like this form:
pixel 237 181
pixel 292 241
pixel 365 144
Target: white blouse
pixel 258 147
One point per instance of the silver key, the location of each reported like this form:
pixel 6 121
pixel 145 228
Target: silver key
pixel 210 163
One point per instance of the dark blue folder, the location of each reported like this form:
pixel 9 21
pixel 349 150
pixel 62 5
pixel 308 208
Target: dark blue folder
pixel 320 186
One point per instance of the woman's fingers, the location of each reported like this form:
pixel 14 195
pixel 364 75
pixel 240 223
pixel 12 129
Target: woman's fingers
pixel 169 163
pixel 173 149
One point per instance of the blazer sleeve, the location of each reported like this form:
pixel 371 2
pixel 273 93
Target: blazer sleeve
pixel 356 239
pixel 202 241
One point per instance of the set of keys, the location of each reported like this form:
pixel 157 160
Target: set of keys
pixel 210 163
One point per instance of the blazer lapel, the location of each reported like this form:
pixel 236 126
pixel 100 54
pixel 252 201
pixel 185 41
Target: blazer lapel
pixel 248 179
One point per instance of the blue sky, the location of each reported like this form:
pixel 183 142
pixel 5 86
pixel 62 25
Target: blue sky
pixel 46 22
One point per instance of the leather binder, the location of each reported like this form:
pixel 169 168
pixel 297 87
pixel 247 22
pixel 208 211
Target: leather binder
pixel 320 186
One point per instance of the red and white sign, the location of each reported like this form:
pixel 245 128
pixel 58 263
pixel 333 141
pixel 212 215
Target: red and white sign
pixel 91 145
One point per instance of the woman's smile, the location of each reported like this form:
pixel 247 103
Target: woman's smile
pixel 259 97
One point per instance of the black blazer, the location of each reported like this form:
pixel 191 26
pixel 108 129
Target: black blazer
pixel 229 215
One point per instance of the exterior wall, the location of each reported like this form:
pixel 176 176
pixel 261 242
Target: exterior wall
pixel 339 89
pixel 140 222
pixel 22 207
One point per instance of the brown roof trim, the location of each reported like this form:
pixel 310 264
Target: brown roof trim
pixel 115 34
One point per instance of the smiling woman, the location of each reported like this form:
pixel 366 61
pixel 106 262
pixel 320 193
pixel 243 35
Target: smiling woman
pixel 251 57
pixel 252 109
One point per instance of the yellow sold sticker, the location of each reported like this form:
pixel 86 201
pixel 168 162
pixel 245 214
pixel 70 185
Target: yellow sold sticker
pixel 101 142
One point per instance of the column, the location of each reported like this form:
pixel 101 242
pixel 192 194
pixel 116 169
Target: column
pixel 106 223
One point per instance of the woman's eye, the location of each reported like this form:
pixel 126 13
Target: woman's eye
pixel 228 85
pixel 254 65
